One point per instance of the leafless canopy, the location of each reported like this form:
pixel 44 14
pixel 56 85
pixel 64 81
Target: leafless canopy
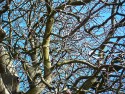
pixel 63 46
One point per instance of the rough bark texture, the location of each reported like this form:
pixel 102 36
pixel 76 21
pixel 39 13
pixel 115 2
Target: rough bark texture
pixel 8 78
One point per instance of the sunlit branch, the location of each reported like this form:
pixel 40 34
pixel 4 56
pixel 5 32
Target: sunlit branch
pixel 76 61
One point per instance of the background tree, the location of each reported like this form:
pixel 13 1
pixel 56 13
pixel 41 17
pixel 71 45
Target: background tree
pixel 62 46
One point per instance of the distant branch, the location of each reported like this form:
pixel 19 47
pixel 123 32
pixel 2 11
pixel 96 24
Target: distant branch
pixel 6 7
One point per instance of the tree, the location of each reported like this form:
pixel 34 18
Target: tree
pixel 62 46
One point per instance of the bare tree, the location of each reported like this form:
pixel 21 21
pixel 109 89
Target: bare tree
pixel 62 46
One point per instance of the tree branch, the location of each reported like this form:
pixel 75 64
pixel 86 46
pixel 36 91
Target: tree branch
pixel 76 61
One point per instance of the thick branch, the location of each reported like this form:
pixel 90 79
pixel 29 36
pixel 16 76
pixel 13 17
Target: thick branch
pixel 76 61
pixel 2 34
pixel 81 2
pixel 47 63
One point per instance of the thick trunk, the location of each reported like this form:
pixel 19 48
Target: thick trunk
pixel 8 80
